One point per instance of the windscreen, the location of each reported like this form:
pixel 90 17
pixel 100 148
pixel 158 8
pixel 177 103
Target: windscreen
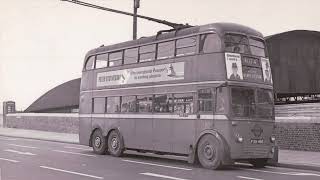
pixel 242 44
pixel 246 102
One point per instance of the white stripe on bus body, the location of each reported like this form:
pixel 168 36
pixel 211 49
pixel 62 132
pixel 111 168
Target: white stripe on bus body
pixel 155 86
pixel 154 116
pixel 44 114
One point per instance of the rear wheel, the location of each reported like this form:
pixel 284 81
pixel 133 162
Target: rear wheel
pixel 99 142
pixel 258 163
pixel 210 152
pixel 115 144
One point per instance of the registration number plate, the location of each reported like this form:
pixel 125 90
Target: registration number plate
pixel 256 141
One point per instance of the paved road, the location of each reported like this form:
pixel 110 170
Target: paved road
pixel 22 159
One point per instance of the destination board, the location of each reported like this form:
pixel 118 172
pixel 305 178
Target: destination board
pixel 252 74
pixel 250 61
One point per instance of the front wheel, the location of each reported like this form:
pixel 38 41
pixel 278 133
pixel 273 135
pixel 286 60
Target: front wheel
pixel 210 152
pixel 115 144
pixel 258 163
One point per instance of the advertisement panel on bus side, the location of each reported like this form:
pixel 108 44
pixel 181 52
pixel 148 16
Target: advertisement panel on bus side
pixel 157 73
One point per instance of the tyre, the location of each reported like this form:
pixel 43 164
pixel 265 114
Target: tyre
pixel 258 163
pixel 115 144
pixel 210 152
pixel 99 142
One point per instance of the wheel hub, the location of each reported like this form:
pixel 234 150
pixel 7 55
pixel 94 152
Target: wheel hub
pixel 97 141
pixel 114 143
pixel 209 152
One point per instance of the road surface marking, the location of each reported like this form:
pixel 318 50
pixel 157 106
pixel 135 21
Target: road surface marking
pixel 160 165
pixel 71 172
pixel 9 160
pixel 284 173
pixel 162 176
pixel 79 148
pixel 17 145
pixel 75 153
pixel 250 178
pixel 8 139
pixel 19 152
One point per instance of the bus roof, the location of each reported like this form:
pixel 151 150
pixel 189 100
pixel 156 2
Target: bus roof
pixel 219 28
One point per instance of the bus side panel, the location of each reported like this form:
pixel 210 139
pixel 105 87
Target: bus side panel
pixel 162 134
pixel 143 133
pixel 127 129
pixel 85 118
pixel 85 108
pixel 183 135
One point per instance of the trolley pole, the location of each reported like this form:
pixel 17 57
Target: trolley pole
pixel 136 5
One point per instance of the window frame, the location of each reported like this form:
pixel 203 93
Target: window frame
pixel 93 63
pixel 121 59
pixel 96 58
pixel 94 105
pixel 186 46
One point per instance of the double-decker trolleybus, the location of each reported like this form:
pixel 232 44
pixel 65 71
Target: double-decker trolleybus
pixel 204 92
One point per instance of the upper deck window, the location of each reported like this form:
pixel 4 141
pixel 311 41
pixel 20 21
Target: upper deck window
pixel 237 43
pixel 257 47
pixel 102 61
pixel 147 53
pixel 186 46
pixel 210 43
pixel 242 44
pixel 90 63
pixel 165 50
pixel 131 56
pixel 115 58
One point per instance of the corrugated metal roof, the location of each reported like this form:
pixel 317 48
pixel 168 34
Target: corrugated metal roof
pixel 64 95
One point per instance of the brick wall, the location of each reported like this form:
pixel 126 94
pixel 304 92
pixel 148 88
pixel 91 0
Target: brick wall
pixel 53 122
pixel 293 133
pixel 298 133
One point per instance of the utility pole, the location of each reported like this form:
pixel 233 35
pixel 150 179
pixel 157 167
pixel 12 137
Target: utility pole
pixel 136 5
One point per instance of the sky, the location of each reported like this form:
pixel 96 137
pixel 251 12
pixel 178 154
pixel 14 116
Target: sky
pixel 43 42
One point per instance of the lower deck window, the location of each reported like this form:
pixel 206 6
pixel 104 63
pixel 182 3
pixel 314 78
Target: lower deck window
pixel 113 104
pixel 144 103
pixel 98 105
pixel 183 103
pixel 129 104
pixel 163 103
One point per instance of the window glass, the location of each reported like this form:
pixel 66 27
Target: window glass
pixel 163 103
pixel 186 46
pixel 131 56
pixel 210 43
pixel 90 63
pixel 102 61
pixel 165 50
pixel 221 106
pixel 265 103
pixel 183 103
pixel 115 58
pixel 236 43
pixel 243 102
pixel 99 105
pixel 144 103
pixel 205 100
pixel 256 42
pixel 128 104
pixel 147 53
pixel 258 51
pixel 113 104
